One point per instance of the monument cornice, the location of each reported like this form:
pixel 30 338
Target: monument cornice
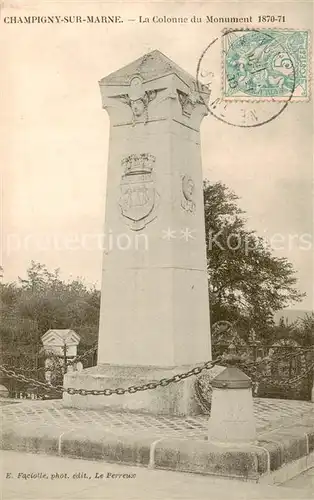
pixel 137 93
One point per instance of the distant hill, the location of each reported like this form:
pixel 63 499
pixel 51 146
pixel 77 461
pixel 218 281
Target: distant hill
pixel 291 315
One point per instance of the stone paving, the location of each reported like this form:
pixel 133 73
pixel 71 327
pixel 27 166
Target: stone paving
pixel 269 414
pixel 284 446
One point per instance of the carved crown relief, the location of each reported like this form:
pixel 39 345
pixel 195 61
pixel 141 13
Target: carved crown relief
pixel 139 198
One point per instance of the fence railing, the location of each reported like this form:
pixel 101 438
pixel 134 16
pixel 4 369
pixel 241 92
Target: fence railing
pixel 31 363
pixel 280 371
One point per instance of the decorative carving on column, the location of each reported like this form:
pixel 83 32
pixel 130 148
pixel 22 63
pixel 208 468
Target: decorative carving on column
pixel 138 99
pixel 189 101
pixel 139 106
pixel 187 201
pixel 139 198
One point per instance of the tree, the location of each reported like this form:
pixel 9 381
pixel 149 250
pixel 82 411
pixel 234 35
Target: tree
pixel 39 302
pixel 247 283
pixel 54 303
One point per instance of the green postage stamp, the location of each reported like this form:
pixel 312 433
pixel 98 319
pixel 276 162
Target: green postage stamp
pixel 266 65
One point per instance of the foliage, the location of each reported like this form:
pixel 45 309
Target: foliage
pixel 43 301
pixel 54 303
pixel 305 330
pixel 301 330
pixel 247 284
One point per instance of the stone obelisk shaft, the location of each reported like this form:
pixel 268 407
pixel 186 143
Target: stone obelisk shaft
pixel 154 304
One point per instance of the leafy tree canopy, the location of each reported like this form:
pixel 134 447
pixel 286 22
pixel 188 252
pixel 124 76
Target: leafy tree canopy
pixel 42 301
pixel 247 283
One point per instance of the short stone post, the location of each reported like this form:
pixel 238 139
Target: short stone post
pixel 232 417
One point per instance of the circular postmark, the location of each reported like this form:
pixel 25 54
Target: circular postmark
pixel 246 76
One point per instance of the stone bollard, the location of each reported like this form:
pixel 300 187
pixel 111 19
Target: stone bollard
pixel 232 418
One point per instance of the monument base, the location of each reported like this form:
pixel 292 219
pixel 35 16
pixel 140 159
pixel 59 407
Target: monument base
pixel 175 399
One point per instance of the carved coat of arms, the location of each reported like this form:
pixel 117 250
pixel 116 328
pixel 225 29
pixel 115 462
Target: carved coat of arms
pixel 138 200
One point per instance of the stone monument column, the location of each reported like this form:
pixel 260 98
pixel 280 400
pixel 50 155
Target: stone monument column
pixel 154 317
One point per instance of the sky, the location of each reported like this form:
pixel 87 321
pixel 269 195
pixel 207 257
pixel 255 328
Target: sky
pixel 55 139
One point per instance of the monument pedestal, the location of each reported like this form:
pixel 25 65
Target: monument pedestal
pixel 177 399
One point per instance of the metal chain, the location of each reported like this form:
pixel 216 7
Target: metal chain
pixel 131 389
pixel 83 356
pixel 120 391
pixel 57 366
pixel 41 369
pixel 22 378
pixel 204 403
pixel 302 351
